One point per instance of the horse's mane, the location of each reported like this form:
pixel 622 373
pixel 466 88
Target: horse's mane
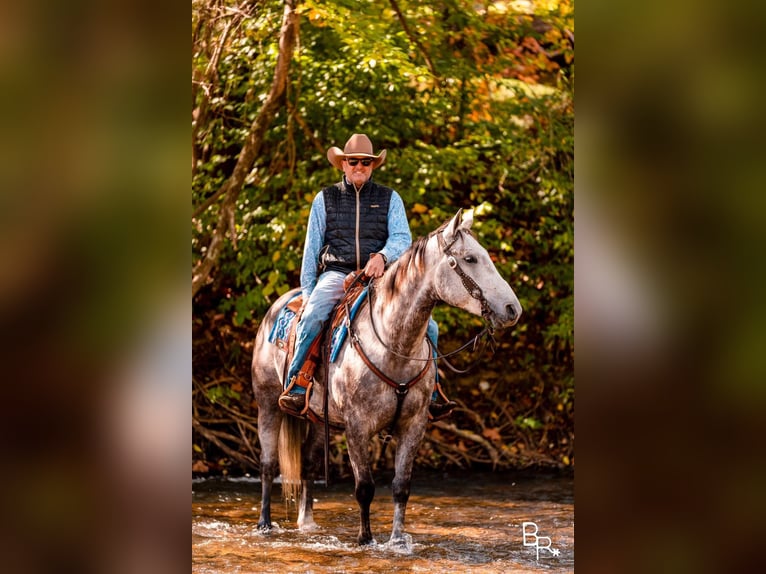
pixel 412 261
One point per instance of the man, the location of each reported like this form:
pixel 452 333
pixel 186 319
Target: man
pixel 356 224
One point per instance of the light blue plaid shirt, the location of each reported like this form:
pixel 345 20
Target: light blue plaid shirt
pixel 399 238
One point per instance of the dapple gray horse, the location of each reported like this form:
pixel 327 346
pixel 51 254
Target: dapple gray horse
pixel 448 265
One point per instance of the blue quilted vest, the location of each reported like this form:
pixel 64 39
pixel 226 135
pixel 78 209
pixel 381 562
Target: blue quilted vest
pixel 357 225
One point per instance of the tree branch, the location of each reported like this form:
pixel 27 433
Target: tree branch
pixel 209 79
pixel 468 435
pixel 413 38
pixel 252 147
pixel 212 436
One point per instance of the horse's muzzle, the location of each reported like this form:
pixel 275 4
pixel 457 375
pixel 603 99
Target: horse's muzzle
pixel 508 318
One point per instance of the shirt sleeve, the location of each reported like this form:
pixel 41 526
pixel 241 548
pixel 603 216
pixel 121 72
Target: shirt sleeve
pixel 399 235
pixel 314 241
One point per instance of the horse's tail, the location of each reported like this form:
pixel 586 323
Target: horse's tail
pixel 290 441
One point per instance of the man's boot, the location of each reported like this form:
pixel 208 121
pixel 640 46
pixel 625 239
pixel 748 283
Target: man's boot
pixel 438 411
pixel 292 401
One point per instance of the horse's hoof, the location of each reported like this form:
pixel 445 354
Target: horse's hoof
pixel 400 545
pixel 364 540
pixel 403 542
pixel 264 526
pixel 308 527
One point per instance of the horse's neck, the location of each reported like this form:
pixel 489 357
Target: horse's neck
pixel 401 316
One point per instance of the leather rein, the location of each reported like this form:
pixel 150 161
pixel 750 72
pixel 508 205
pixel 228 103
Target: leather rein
pixel 475 291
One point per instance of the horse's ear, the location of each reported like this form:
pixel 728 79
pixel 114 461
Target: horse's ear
pixel 453 226
pixel 467 219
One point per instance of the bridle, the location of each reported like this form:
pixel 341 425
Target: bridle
pixel 475 291
pixel 470 285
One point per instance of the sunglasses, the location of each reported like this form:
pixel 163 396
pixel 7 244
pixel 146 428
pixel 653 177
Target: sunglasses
pixel 352 161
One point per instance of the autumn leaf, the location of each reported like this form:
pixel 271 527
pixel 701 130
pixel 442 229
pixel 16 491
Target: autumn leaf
pixel 492 434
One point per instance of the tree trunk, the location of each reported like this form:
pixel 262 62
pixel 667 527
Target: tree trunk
pixel 232 187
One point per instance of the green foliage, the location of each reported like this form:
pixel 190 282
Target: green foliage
pixel 493 131
pixel 528 422
pixel 476 136
pixel 222 394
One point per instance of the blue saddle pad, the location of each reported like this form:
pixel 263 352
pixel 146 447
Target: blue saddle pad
pixel 283 323
pixel 281 328
pixel 340 332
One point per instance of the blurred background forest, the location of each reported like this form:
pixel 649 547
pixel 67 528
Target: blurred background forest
pixel 474 103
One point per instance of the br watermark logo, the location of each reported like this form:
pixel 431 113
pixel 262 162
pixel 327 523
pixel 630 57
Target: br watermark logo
pixel 531 538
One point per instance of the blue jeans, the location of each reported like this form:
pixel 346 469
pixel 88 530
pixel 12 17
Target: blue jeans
pixel 432 332
pixel 326 294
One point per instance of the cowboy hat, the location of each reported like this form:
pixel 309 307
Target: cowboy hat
pixel 358 145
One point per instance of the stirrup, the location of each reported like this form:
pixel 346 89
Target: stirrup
pixel 439 411
pixel 296 405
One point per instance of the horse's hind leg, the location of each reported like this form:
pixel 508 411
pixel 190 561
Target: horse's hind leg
pixel 269 421
pixel 312 461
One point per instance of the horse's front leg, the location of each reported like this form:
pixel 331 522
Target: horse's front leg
pixel 406 450
pixel 365 485
pixel 312 462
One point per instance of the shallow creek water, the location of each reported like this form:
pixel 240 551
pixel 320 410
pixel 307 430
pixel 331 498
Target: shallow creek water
pixel 454 523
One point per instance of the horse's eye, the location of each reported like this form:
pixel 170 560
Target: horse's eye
pixel 470 259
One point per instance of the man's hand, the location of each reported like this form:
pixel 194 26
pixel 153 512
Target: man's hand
pixel 375 266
